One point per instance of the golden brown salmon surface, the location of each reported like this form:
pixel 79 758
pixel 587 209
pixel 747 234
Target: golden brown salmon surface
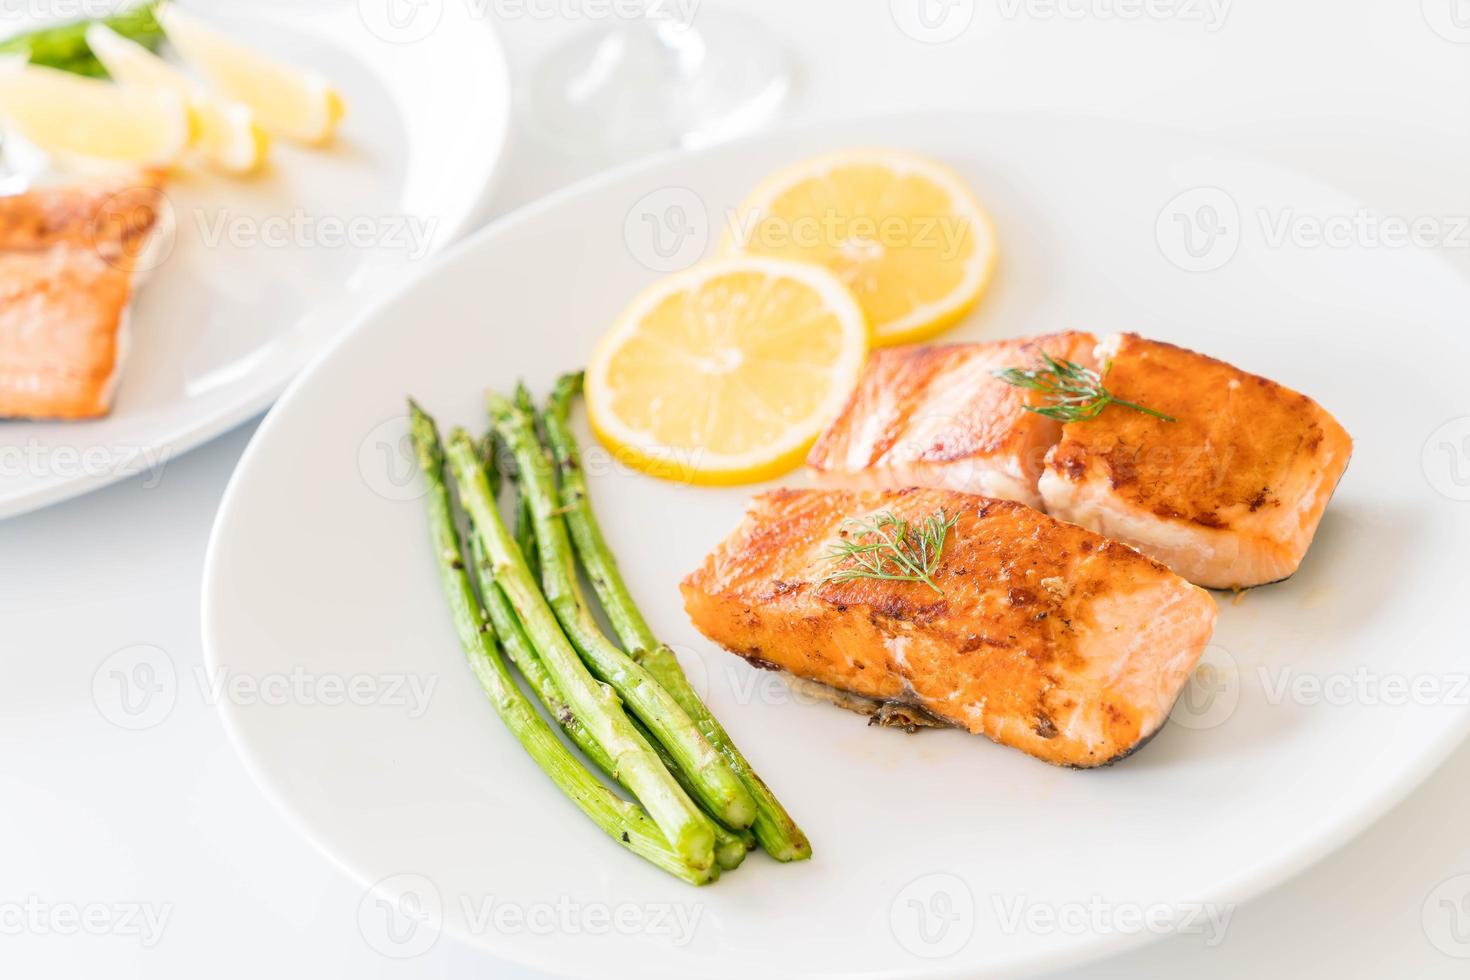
pixel 1042 635
pixel 61 317
pixel 937 417
pixel 68 258
pixel 1228 495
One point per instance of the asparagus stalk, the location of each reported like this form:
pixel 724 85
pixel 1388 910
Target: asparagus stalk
pixel 522 530
pixel 492 468
pixel 525 527
pixel 714 783
pixel 774 828
pixel 633 761
pixel 518 648
pixel 525 533
pixel 731 846
pixel 621 820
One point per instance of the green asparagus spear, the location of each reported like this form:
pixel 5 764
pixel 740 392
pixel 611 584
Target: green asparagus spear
pixel 715 784
pixel 525 532
pixel 774 827
pixel 515 641
pixel 633 761
pixel 518 648
pixel 64 46
pixel 731 846
pixel 525 526
pixel 619 819
pixel 492 468
pixel 523 654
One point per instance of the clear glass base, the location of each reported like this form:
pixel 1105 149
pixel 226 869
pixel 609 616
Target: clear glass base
pixel 658 84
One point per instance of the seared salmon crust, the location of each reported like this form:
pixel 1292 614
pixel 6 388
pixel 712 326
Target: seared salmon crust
pixel 1047 637
pixel 936 416
pixel 69 261
pixel 1229 494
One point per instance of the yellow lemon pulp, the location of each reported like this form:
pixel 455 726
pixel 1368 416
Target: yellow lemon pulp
pixel 225 132
pixel 903 233
pixel 726 373
pixel 87 117
pixel 297 104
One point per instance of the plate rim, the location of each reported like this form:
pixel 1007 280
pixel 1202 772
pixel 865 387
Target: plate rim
pixel 1340 831
pixel 206 428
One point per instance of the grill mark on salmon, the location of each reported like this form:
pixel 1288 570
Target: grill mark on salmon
pixel 1048 638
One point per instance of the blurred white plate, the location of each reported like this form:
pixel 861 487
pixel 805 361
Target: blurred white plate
pixel 1323 700
pixel 262 272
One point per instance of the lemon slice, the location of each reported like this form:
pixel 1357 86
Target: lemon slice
pixel 225 132
pixel 297 104
pixel 727 372
pixel 902 232
pixel 68 114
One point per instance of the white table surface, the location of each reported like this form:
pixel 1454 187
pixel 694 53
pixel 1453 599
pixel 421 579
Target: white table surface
pixel 165 820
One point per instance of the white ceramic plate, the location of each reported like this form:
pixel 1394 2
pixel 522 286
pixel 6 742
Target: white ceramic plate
pixel 261 273
pixel 937 854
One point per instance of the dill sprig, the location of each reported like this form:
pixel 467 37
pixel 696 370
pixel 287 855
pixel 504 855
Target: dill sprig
pixel 1077 392
pixel 888 547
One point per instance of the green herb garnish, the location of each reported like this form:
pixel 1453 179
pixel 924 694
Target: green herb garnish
pixel 888 547
pixel 64 46
pixel 1077 392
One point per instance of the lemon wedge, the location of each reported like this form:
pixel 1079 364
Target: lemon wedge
pixel 903 233
pixel 225 132
pixel 296 104
pixel 727 372
pixel 71 115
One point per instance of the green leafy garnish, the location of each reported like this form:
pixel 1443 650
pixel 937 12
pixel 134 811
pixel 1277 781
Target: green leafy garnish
pixel 64 46
pixel 888 547
pixel 1077 392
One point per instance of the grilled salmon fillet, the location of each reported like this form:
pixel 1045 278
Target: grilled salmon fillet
pixel 69 258
pixel 1047 637
pixel 937 417
pixel 1228 495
